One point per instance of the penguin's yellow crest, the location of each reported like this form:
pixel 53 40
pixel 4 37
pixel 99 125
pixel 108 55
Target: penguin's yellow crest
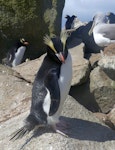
pixel 22 40
pixel 63 37
pixel 48 41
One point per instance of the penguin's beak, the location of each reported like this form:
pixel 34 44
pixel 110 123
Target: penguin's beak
pixel 26 43
pixel 60 57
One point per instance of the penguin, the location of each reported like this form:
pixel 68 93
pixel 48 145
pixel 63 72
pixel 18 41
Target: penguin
pixel 16 53
pixel 70 22
pixel 50 88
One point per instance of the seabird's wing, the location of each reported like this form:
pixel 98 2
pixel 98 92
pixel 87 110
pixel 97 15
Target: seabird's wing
pixel 108 30
pixel 51 83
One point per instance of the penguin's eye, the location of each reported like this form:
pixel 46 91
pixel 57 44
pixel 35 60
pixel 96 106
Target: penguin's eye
pixel 63 38
pixel 48 41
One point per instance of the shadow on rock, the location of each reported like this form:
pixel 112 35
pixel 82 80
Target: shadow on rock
pixel 83 95
pixel 81 130
pixel 86 130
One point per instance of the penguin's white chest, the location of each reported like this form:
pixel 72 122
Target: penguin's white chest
pixel 19 56
pixel 65 80
pixel 64 85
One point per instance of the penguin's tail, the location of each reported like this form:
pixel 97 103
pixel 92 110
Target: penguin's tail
pixel 30 124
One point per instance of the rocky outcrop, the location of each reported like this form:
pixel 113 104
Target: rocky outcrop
pixel 82 132
pixel 94 59
pixel 107 62
pixel 103 89
pixel 31 20
pixel 27 70
pixel 81 67
pixel 15 93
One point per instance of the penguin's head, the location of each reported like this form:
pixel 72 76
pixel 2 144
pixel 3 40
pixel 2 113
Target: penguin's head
pixel 73 16
pixel 23 42
pixel 67 17
pixel 56 47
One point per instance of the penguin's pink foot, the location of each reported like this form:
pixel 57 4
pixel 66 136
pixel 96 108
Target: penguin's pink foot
pixel 62 124
pixel 61 128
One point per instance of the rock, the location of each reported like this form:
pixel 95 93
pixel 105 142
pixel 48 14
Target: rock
pixel 103 89
pixel 100 116
pixel 29 69
pixel 109 50
pixel 107 62
pixel 14 93
pixel 110 118
pixel 29 20
pixel 83 95
pixel 85 132
pixel 94 58
pixel 80 65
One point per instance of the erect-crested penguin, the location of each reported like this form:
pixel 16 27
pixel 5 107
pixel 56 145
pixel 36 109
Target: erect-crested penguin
pixel 70 22
pixel 50 87
pixel 16 53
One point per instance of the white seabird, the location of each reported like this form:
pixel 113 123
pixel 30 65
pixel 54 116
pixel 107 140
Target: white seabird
pixel 103 32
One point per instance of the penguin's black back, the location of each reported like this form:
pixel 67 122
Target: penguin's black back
pixel 14 49
pixel 47 77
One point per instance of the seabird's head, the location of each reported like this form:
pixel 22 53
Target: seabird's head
pixel 56 47
pixel 97 19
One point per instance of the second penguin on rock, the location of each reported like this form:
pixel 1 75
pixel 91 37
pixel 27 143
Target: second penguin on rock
pixel 16 53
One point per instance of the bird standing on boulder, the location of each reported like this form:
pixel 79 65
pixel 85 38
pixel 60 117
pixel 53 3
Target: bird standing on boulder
pixel 50 87
pixel 70 24
pixel 103 32
pixel 16 53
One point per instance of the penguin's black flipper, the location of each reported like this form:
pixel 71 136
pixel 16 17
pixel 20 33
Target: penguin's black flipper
pixel 51 82
pixel 10 57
